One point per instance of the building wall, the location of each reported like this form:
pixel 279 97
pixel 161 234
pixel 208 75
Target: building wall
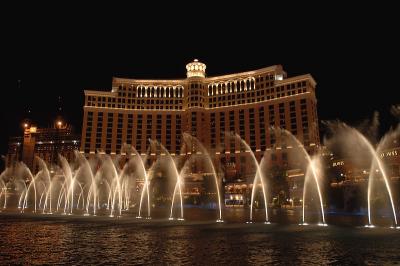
pixel 247 104
pixel 45 143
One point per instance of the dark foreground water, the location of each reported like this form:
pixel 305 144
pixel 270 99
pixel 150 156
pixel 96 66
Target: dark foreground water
pixel 69 240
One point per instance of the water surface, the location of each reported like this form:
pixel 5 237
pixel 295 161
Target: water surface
pixel 69 240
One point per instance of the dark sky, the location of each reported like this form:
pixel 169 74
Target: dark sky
pixel 351 51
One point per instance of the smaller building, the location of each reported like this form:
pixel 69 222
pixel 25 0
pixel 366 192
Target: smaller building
pixel 46 143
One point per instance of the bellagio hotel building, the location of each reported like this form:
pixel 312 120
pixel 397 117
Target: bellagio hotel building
pixel 247 103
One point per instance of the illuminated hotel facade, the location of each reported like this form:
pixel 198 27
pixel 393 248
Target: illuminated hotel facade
pixel 246 103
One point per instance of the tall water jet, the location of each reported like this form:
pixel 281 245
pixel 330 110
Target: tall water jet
pixel 68 184
pixel 32 184
pixel 259 177
pixel 376 160
pixel 205 152
pixel 177 187
pixel 117 187
pixel 93 185
pixel 350 136
pixel 125 176
pixel 177 184
pixel 145 185
pixel 3 185
pixel 313 169
pixel 47 192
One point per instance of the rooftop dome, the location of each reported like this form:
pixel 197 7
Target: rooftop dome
pixel 196 69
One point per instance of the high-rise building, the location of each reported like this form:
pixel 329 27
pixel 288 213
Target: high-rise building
pixel 247 104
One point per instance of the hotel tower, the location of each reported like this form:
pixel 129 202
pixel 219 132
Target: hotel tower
pixel 209 108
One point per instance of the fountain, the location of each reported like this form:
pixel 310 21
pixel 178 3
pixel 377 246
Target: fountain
pixel 259 177
pixel 204 151
pixel 353 137
pixel 105 184
pixel 343 130
pixel 178 184
pixel 145 186
pixel 312 170
pixel 377 160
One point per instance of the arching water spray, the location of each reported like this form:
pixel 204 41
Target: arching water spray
pixel 204 150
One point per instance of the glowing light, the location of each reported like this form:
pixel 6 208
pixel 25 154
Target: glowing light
pixel 195 69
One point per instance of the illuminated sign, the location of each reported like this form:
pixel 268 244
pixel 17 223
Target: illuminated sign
pixel 339 163
pixel 389 153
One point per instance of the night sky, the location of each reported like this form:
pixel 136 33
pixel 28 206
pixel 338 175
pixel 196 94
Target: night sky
pixel 351 51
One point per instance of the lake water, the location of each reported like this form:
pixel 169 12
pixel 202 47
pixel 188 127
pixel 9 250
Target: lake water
pixel 77 240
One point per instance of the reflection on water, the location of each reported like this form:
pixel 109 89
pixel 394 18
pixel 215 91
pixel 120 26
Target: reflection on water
pixel 35 240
